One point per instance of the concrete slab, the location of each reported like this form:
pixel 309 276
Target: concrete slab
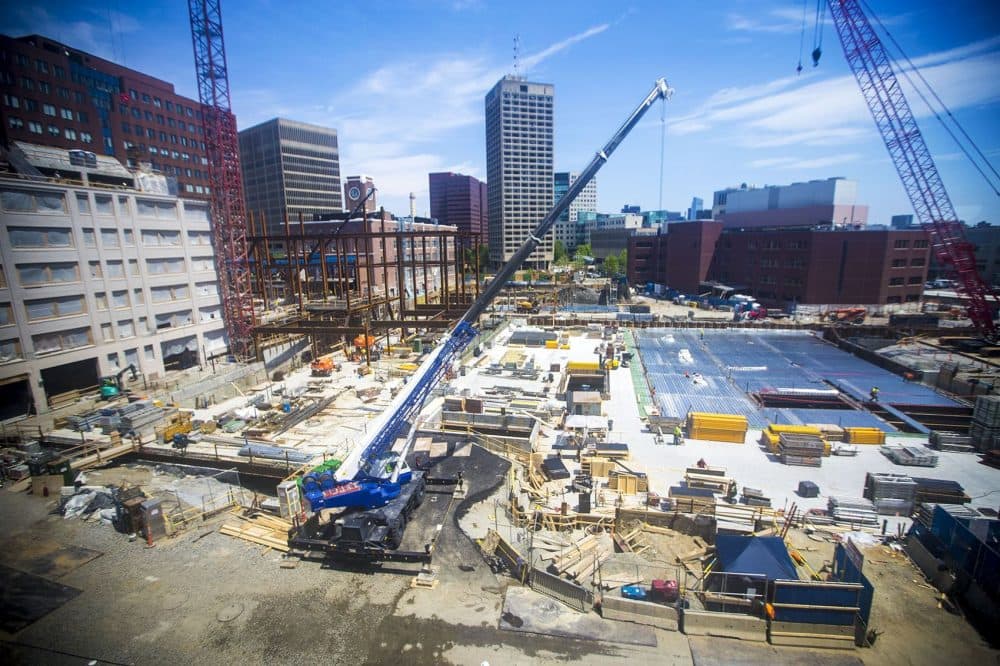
pixel 530 612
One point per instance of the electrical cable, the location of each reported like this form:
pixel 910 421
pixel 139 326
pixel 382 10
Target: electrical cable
pixel 944 106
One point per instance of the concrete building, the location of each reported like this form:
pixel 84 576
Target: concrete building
pixel 901 221
pixel 779 267
pixel 519 157
pixel 696 205
pixel 56 95
pixel 290 169
pixel 93 280
pixel 460 201
pixel 567 229
pixel 830 202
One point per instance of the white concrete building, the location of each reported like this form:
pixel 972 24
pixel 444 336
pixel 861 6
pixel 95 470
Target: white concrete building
pixel 93 279
pixel 519 154
pixel 567 229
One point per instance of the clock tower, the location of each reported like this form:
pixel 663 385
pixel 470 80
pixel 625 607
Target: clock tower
pixel 356 188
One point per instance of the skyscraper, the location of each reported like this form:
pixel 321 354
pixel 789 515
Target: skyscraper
pixel 460 201
pixel 290 168
pixel 518 166
pixel 567 230
pixel 696 205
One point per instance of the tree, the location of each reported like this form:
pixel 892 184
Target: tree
pixel 559 254
pixel 584 250
pixel 470 258
pixel 610 265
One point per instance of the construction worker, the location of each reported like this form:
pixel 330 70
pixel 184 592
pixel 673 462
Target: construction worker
pixel 678 435
pixel 701 464
pixel 874 394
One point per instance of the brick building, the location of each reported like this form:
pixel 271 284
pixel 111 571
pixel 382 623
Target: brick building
pixel 58 96
pixel 779 266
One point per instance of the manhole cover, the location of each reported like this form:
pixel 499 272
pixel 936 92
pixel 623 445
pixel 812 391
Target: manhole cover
pixel 173 600
pixel 230 612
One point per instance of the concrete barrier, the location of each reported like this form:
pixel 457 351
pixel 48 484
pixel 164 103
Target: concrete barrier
pixel 571 594
pixel 813 635
pixel 731 625
pixel 640 612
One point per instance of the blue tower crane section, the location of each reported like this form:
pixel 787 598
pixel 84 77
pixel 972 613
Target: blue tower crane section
pixel 372 476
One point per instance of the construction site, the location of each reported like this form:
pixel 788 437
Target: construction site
pixel 406 458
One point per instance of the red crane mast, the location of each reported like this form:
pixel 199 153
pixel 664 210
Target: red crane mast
pixel 229 219
pixel 872 68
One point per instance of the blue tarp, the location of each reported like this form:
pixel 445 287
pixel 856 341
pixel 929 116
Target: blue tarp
pixel 764 556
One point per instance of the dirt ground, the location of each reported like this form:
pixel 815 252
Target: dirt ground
pixel 206 597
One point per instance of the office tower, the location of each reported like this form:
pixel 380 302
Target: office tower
pixel 460 201
pixel 568 230
pixel 519 159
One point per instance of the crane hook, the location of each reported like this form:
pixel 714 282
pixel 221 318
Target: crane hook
pixel 817 52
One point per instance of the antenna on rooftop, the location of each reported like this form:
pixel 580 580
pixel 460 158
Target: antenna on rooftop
pixel 517 55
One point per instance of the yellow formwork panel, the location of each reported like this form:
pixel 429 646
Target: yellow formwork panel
pixel 864 436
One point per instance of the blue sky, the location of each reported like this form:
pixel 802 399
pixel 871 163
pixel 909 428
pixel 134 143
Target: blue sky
pixel 403 83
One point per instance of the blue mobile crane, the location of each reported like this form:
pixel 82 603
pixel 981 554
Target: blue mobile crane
pixel 374 484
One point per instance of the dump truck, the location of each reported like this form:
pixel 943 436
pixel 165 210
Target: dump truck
pixel 852 315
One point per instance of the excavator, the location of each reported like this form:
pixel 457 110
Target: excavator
pixel 374 485
pixel 112 385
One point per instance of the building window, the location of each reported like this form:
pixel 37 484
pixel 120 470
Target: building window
pixel 35 275
pixel 919 244
pixel 82 116
pixel 895 282
pixel 27 83
pixel 164 266
pixel 66 114
pixel 50 343
pixel 164 210
pixel 917 261
pixel 109 238
pixel 134 94
pixel 52 308
pixel 101 299
pixel 160 238
pixel 42 66
pixel 901 244
pixel 102 205
pixel 43 87
pixel 10 350
pixel 157 103
pixel 70 134
pixel 12 101
pixel 116 270
pixel 60 72
pixel 126 329
pixel 83 204
pixel 85 137
pixel 169 293
pixel 16 123
pixel 6 315
pixel 30 104
pixel 24 201
pixel 89 238
pixel 54 130
pixel 95 269
pixel 119 300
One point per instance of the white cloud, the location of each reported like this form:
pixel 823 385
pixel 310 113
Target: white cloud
pixel 398 109
pixel 93 36
pixel 798 163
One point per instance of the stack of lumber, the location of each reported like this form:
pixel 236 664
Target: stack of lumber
pixel 831 432
pixel 864 436
pixel 801 449
pixel 577 561
pixel 771 436
pixel 892 494
pixel 951 441
pixel 911 456
pixel 714 480
pixel 852 511
pixel 939 491
pixel 595 466
pixel 692 500
pixel 735 518
pixel 925 512
pixel 755 497
pixel 628 483
pixel 985 429
pixel 717 427
pixel 259 528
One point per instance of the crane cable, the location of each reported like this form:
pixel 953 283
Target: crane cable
pixel 944 106
pixel 802 34
pixel 818 32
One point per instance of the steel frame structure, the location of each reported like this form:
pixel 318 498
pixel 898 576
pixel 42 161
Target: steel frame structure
pixel 872 68
pixel 354 279
pixel 229 222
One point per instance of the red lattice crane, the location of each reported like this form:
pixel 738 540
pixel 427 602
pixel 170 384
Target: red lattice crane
pixel 229 219
pixel 872 68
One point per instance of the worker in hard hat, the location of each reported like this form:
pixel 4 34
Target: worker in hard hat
pixel 678 435
pixel 874 394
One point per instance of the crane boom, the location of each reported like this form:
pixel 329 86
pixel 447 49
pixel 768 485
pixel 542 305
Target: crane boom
pixel 872 68
pixel 362 479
